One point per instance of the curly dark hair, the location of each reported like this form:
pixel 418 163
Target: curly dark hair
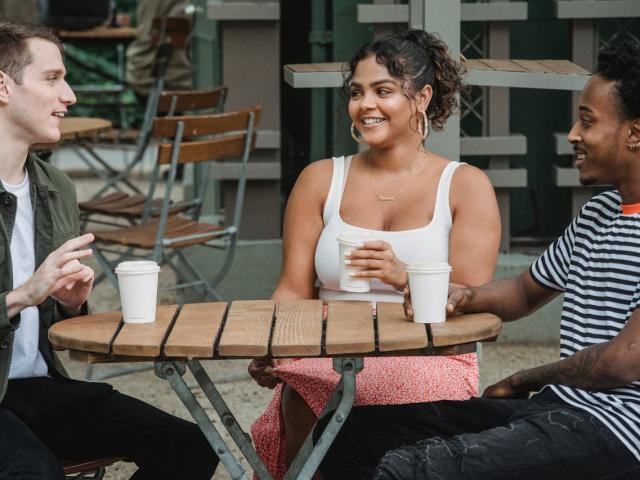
pixel 621 63
pixel 417 58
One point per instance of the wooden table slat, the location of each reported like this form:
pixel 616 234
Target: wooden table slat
pixel 475 65
pixel 503 65
pixel 247 329
pixel 534 66
pixel 464 329
pixel 195 331
pixel 349 328
pixel 298 328
pixel 93 333
pixel 145 339
pixel 564 67
pixel 317 67
pixel 395 332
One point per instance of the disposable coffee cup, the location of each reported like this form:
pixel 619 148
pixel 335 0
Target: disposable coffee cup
pixel 429 284
pixel 138 285
pixel 347 243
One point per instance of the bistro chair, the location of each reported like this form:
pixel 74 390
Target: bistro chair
pixel 164 238
pixel 134 207
pixel 169 34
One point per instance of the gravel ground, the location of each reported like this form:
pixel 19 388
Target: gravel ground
pixel 243 396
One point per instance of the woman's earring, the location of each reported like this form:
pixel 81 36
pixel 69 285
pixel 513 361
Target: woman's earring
pixel 423 129
pixel 354 135
pixel 634 147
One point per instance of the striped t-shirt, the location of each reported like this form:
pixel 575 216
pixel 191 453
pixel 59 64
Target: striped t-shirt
pixel 596 262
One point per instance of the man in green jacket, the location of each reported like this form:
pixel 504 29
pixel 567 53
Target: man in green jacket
pixel 45 416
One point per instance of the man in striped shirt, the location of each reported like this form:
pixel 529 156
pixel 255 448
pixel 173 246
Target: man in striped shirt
pixel 584 422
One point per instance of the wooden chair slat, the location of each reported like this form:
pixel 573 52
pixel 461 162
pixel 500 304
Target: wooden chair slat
pixel 395 332
pixel 115 206
pixel 144 235
pixel 214 124
pixel 129 211
pixel 195 331
pixel 298 328
pixel 247 329
pixel 145 339
pixel 190 100
pixel 90 333
pixel 71 467
pixel 468 328
pixel 112 197
pixel 349 328
pixel 205 150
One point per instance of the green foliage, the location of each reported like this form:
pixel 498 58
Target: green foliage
pixel 87 65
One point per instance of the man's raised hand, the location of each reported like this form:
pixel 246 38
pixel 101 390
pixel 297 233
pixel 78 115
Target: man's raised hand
pixel 60 269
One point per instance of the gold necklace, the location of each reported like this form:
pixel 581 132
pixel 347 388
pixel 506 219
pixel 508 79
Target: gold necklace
pixel 392 198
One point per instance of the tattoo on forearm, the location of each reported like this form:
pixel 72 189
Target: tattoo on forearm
pixel 583 370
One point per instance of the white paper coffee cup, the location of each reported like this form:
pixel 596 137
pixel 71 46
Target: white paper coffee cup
pixel 347 243
pixel 429 284
pixel 138 284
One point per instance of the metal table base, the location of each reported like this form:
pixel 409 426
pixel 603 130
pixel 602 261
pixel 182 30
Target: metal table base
pixel 308 458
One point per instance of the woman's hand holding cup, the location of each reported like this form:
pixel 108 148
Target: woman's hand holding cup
pixel 376 259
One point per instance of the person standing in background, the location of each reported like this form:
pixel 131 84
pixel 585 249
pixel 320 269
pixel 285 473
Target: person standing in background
pixel 19 11
pixel 141 51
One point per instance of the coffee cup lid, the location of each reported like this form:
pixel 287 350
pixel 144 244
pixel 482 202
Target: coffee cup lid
pixel 428 267
pixel 354 238
pixel 137 266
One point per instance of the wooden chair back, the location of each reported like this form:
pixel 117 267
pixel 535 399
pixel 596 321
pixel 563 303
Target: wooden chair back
pixel 229 129
pixel 190 100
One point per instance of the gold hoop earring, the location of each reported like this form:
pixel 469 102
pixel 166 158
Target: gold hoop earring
pixel 423 129
pixel 634 147
pixel 354 135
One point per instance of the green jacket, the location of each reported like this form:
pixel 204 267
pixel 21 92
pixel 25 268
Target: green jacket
pixel 55 207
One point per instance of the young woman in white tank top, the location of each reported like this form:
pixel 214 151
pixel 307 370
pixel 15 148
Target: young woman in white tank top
pixel 417 206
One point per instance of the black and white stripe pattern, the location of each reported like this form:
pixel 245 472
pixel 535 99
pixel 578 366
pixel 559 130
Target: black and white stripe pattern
pixel 596 262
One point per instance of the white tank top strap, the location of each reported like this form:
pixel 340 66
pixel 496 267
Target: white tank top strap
pixel 338 182
pixel 442 210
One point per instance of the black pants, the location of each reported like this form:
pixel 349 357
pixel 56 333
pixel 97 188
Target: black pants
pixel 43 420
pixel 540 438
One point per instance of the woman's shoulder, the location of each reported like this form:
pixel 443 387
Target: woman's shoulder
pixel 470 185
pixel 317 171
pixel 469 177
pixel 315 179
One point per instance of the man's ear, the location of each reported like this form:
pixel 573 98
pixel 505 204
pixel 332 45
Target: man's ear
pixel 423 98
pixel 5 87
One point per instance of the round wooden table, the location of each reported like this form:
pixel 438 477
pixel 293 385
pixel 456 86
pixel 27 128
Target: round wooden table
pixel 73 128
pixel 99 34
pixel 181 335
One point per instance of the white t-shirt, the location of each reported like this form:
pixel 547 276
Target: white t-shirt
pixel 26 361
